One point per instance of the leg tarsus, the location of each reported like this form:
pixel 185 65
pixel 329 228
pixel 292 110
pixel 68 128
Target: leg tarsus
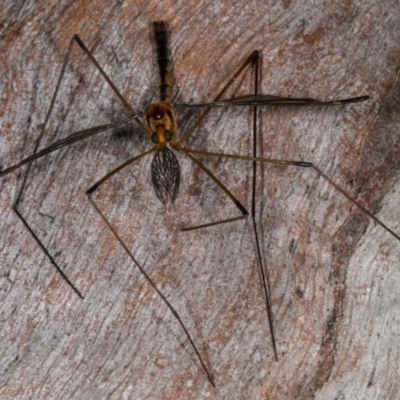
pixel 153 285
pixel 46 252
pixel 223 221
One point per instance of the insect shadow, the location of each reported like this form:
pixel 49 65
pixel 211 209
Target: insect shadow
pixel 159 127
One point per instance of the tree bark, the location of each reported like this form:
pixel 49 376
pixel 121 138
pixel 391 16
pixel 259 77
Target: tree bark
pixel 333 273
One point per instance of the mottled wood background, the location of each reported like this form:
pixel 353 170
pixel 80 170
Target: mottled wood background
pixel 334 274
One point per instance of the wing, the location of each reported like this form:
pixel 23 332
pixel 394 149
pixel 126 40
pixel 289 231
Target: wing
pixel 74 137
pixel 269 100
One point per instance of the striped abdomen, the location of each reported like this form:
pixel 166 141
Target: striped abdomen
pixel 161 38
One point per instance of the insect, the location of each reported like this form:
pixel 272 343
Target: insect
pixel 159 125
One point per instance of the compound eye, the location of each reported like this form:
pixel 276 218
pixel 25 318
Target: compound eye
pixel 154 138
pixel 158 115
pixel 168 135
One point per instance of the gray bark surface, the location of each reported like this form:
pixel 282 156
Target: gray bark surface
pixel 334 274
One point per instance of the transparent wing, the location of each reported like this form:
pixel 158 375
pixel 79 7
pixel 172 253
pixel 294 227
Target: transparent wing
pixel 270 100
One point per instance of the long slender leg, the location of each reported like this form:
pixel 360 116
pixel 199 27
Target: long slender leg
pixel 17 203
pixel 237 203
pixel 28 169
pixel 89 193
pixel 251 59
pixel 255 159
pixel 106 77
pixel 242 209
pixel 304 164
pixel 254 58
pixel 96 185
pixel 221 93
pixel 263 271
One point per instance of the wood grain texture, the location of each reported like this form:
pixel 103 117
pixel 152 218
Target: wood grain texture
pixel 334 275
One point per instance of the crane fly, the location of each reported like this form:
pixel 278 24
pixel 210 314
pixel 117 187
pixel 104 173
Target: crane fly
pixel 159 125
